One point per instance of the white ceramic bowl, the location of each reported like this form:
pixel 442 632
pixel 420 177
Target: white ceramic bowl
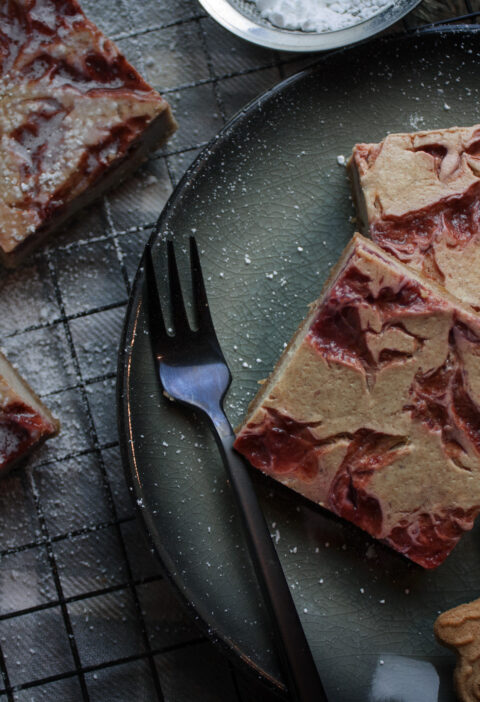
pixel 243 18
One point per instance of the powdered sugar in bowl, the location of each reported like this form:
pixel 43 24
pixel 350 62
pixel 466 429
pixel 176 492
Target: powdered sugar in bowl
pixel 307 25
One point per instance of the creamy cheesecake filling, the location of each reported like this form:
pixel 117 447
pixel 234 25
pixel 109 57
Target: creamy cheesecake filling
pixel 376 416
pixel 456 218
pixel 418 196
pixel 434 238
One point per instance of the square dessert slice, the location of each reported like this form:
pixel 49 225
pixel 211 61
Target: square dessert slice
pixel 25 422
pixel 373 410
pixel 418 196
pixel 75 117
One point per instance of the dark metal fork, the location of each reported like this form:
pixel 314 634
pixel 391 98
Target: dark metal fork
pixel 192 369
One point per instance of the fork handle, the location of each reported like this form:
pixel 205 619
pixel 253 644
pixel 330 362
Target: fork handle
pixel 303 680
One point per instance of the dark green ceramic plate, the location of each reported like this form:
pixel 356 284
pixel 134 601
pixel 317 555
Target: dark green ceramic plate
pixel 270 207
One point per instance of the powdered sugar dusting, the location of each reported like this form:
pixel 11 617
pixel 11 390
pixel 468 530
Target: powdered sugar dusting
pixel 9 443
pixel 319 15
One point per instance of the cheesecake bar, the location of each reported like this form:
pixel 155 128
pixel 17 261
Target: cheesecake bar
pixel 373 410
pixel 418 196
pixel 25 422
pixel 75 117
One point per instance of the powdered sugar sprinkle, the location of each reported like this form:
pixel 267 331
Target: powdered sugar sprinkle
pixel 319 15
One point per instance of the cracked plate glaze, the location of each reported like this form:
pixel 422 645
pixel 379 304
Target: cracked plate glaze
pixel 270 206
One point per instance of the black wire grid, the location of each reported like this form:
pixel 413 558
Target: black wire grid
pixel 84 611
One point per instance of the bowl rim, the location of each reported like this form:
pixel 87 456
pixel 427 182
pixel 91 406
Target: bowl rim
pixel 273 37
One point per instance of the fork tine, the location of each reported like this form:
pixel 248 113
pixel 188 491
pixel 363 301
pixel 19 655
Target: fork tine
pixel 202 309
pixel 179 314
pixel 156 324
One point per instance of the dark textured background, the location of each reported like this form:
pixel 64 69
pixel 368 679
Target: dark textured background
pixel 84 611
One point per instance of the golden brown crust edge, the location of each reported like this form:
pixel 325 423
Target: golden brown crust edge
pixel 361 219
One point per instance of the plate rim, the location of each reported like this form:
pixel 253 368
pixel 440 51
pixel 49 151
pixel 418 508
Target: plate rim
pixel 211 633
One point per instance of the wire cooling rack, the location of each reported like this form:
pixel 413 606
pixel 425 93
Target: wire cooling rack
pixel 84 611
